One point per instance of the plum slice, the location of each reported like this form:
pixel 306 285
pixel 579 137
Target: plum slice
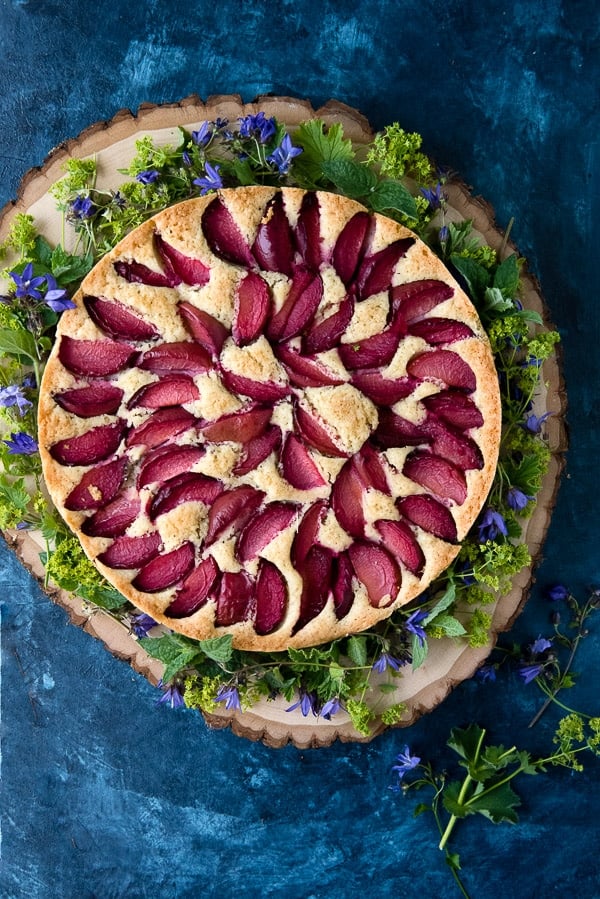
pixel 91 400
pixel 263 528
pixel 185 268
pixel 236 599
pixel 257 450
pixel 182 356
pixel 113 519
pixel 454 446
pixel 172 390
pixel 455 409
pixel 118 321
pixel 316 434
pixel 347 498
pixel 161 426
pixel 167 462
pixel 188 487
pixel 383 391
pixel 342 587
pixel 377 350
pixel 237 427
pixel 196 589
pixel 351 245
pixel 445 366
pixel 94 358
pixel 271 598
pixel 98 486
pixel 165 570
pixel 326 334
pixel 137 273
pixel 131 552
pixel 316 581
pixel 440 331
pixel 261 391
pixel 273 244
pixel 429 514
pixel 400 540
pixel 252 306
pixel 231 511
pixel 307 234
pixel 377 569
pixel 436 474
pixel 376 271
pixel 306 535
pixel 371 469
pixel 203 327
pixel 393 430
pixel 306 371
pixel 223 235
pixel 93 446
pixel 416 298
pixel 298 466
pixel 299 307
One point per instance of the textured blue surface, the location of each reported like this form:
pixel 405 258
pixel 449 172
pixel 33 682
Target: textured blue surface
pixel 105 795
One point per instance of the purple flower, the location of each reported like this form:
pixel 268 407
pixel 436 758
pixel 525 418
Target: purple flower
pixel 230 696
pixel 57 297
pixel 413 624
pixel 187 159
pixel 386 661
pixel 443 234
pixel 434 196
pixel 13 396
pixel 540 645
pixel 212 179
pixel 82 208
pixel 491 526
pixel 147 177
pixel 487 672
pixel 557 592
pixel 203 135
pixel 258 125
pixel 29 380
pixel 283 155
pixel 306 703
pixel 533 424
pixel 406 763
pixel 516 499
pixel 141 624
pixel 529 671
pixel 21 444
pixel 331 707
pixel 172 695
pixel 26 284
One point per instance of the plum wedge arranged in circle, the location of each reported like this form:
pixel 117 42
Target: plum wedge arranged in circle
pixel 272 414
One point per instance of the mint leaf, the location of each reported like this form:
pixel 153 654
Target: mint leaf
pixel 443 603
pixel 105 597
pixel 175 651
pixel 495 302
pixel 353 179
pixel 392 196
pixel 219 649
pixel 418 651
pixel 43 251
pixel 506 276
pixel 476 276
pixel 450 625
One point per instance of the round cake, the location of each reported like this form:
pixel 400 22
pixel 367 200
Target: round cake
pixel 272 414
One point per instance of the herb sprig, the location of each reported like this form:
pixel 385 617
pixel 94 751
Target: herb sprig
pixel 357 674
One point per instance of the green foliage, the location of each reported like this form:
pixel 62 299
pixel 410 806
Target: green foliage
pixel 322 145
pixel 398 154
pixel 69 568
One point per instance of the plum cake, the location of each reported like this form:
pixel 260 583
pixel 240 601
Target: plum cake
pixel 272 414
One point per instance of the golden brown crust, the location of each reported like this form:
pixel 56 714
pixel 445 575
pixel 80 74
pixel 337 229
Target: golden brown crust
pixel 181 227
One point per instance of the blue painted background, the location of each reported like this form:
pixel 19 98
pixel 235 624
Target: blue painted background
pixel 105 795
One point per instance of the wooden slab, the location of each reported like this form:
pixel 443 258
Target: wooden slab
pixel 449 661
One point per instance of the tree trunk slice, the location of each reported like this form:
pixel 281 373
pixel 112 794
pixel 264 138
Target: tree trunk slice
pixel 449 661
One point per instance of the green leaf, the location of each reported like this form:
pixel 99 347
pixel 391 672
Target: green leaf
pixel 67 268
pixel 506 277
pixel 476 276
pixel 495 302
pixel 443 602
pixel 497 803
pixel 175 651
pixel 450 625
pixel 320 144
pixel 419 652
pixel 219 649
pixel 43 251
pixel 466 742
pixel 353 179
pixel 357 650
pixel 18 343
pixel 453 860
pixel 451 801
pixel 420 808
pixel 392 196
pixel 105 597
